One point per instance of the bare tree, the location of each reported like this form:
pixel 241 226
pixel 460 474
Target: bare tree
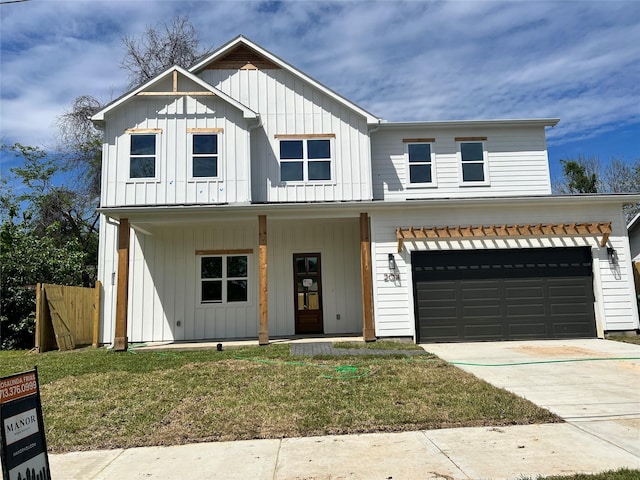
pixel 160 47
pixel 81 142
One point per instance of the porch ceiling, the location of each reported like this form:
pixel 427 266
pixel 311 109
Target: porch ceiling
pixel 505 231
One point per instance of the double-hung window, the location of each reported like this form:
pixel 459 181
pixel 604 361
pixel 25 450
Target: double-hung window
pixel 143 155
pixel 204 154
pixel 224 278
pixel 420 162
pixel 305 159
pixel 473 161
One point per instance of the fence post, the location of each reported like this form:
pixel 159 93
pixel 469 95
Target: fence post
pixel 96 314
pixel 38 317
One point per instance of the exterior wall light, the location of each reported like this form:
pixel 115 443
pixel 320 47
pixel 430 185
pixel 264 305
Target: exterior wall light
pixel 392 263
pixel 612 255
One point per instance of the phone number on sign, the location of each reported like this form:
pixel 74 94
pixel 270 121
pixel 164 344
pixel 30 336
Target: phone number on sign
pixel 17 389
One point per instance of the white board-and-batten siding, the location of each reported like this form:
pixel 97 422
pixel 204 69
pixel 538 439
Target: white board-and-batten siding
pixel 517 162
pixel 613 285
pixel 290 106
pixel 173 117
pixel 164 283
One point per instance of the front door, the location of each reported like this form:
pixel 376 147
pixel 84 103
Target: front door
pixel 308 293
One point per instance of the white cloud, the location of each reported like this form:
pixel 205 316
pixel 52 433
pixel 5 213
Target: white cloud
pixel 399 60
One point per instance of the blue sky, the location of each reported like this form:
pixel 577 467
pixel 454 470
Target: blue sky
pixel 402 61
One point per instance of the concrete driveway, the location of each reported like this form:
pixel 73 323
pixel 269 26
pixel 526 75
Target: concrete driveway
pixel 593 384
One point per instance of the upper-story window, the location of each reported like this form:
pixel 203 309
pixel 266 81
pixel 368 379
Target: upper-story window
pixel 420 161
pixel 305 159
pixel 224 278
pixel 204 154
pixel 143 155
pixel 473 161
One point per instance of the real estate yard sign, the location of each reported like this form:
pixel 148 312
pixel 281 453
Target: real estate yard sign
pixel 23 448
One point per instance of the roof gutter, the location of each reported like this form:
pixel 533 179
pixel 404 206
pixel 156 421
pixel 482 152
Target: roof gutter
pixel 326 207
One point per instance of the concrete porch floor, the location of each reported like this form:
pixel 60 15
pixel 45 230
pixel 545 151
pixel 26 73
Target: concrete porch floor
pixel 212 344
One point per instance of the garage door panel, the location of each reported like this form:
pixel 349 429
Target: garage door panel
pixel 504 294
pixel 526 330
pixel 435 312
pixel 480 311
pixel 438 293
pixel 568 290
pixel 570 330
pixel 485 332
pixel 474 293
pixel 526 310
pixel 524 292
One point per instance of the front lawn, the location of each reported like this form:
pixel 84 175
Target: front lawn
pixel 635 339
pixel 622 474
pixel 101 399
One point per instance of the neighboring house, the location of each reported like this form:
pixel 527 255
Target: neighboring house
pixel 244 199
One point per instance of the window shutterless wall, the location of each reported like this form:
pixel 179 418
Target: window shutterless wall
pixel 175 121
pixel 288 106
pixel 516 163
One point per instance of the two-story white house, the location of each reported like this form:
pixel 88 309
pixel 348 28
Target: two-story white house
pixel 241 199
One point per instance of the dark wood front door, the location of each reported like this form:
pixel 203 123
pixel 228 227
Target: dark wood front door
pixel 307 293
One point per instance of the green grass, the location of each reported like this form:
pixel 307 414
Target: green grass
pixel 626 339
pixel 101 399
pixel 622 474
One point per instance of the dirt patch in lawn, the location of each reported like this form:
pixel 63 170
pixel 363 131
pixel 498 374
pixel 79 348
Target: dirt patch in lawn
pixel 559 351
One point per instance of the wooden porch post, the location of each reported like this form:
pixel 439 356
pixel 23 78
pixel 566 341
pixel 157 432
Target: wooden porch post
pixel 263 333
pixel 120 342
pixel 368 331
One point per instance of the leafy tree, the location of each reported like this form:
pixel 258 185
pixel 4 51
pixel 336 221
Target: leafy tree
pixel 161 47
pixel 589 175
pixel 580 179
pixel 48 234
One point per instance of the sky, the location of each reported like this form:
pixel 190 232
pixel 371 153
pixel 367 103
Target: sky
pixel 402 61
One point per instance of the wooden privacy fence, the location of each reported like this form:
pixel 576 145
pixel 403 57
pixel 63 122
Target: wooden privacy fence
pixel 636 276
pixel 66 317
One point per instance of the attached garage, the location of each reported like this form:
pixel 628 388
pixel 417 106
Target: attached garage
pixel 515 294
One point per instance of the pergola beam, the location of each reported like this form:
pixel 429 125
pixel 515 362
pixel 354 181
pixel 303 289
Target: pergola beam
pixel 507 231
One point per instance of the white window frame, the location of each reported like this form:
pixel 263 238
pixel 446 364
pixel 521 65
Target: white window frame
pixel 431 163
pixel 224 279
pixel 204 131
pixel 485 163
pixel 144 131
pixel 306 160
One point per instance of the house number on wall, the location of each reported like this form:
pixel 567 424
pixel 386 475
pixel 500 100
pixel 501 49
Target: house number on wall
pixel 391 277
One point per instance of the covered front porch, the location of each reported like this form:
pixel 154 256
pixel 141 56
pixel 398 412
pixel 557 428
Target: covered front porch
pixel 300 273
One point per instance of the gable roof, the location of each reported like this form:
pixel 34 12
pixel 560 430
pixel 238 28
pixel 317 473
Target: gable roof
pixel 145 87
pixel 242 53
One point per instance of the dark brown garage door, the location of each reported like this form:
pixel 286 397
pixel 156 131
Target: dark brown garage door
pixel 516 294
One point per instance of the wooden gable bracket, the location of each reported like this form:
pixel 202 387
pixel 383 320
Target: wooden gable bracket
pixel 175 92
pixel 509 231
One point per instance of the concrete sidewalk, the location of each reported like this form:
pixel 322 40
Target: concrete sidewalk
pixel 464 453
